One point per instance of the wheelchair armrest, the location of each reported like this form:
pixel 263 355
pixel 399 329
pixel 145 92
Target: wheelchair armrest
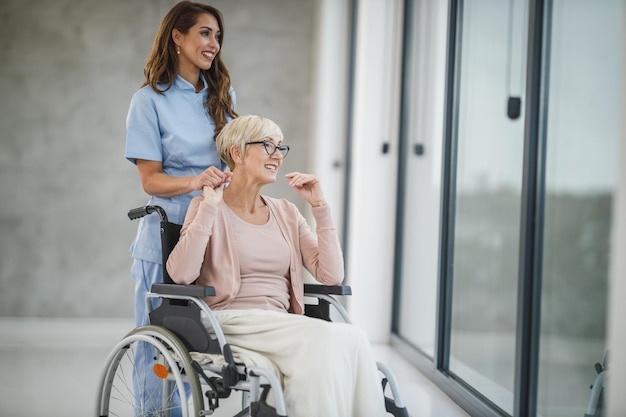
pixel 324 294
pixel 188 290
pixel 327 289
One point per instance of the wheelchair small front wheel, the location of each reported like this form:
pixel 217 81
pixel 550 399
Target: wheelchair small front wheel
pixel 149 373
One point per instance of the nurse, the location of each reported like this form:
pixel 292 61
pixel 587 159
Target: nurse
pixel 171 127
pixel 173 119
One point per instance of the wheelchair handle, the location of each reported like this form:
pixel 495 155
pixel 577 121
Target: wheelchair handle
pixel 140 212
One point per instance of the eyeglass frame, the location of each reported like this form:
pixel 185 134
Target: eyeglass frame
pixel 267 143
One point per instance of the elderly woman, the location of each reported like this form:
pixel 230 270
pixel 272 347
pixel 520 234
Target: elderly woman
pixel 252 248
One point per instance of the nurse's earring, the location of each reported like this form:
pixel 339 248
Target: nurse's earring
pixel 178 50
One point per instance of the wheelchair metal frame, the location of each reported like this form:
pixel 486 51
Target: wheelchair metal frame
pixel 252 386
pixel 595 404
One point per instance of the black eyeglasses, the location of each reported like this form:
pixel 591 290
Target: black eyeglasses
pixel 270 148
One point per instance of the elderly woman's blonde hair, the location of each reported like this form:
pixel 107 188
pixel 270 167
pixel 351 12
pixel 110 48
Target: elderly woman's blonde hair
pixel 243 129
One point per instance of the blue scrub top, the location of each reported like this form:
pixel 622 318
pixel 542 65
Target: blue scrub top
pixel 176 129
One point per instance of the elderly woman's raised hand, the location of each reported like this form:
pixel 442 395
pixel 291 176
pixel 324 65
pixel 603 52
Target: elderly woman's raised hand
pixel 214 194
pixel 308 187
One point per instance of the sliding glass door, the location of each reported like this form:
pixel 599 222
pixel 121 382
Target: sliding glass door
pixel 487 198
pixel 585 70
pixel 509 305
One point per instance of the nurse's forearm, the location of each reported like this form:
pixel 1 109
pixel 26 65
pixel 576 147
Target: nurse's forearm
pixel 163 185
pixel 155 182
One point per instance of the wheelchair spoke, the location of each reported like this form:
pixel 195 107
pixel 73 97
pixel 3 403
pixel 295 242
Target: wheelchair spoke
pixel 135 387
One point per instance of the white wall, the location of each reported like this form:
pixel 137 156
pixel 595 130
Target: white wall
pixel 371 225
pixel 616 406
pixel 330 101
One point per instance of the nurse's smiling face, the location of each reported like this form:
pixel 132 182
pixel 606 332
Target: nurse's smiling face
pixel 199 46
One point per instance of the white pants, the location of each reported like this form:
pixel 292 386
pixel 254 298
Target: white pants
pixel 327 369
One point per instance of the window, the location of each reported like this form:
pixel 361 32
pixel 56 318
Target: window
pixel 507 309
pixel 582 138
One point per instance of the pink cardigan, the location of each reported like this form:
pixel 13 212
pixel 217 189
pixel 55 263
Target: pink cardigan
pixel 206 251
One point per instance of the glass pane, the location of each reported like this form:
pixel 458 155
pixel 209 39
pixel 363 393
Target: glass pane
pixel 488 198
pixel 422 175
pixel 585 70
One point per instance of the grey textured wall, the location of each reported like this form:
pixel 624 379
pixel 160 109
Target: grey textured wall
pixel 67 72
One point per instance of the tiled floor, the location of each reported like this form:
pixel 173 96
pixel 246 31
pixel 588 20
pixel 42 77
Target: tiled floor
pixel 52 367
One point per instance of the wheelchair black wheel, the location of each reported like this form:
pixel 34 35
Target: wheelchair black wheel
pixel 149 373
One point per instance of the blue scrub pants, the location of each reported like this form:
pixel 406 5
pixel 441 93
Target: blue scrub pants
pixel 145 274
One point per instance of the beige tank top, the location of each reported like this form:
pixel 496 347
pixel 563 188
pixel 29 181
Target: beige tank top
pixel 264 260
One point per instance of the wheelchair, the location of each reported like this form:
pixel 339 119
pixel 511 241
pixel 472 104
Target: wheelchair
pixel 193 365
pixel 595 404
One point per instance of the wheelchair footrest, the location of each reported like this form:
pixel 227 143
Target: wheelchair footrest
pixel 390 404
pixel 218 387
pixel 394 410
pixel 261 409
pixel 216 392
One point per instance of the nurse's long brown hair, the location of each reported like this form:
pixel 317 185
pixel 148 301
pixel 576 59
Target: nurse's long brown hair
pixel 163 61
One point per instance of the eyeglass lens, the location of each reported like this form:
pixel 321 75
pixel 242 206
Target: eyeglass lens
pixel 270 148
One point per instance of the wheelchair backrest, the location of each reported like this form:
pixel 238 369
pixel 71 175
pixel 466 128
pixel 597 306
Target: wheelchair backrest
pixel 170 232
pixel 181 317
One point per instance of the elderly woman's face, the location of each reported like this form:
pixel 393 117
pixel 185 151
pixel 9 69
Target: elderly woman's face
pixel 264 158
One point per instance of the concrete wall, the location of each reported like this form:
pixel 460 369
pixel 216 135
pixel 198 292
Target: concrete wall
pixel 67 72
